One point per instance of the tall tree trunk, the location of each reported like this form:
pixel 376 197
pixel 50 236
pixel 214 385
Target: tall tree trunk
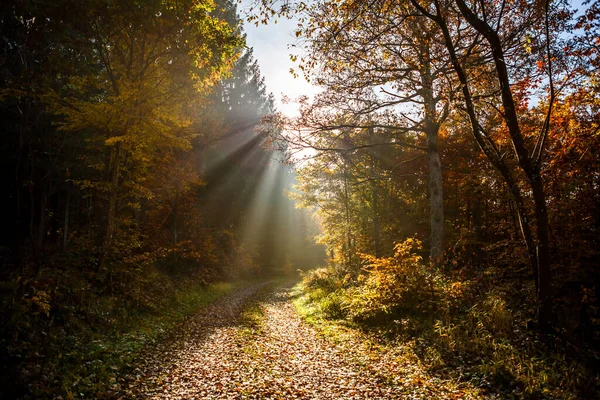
pixel 528 161
pixel 475 248
pixel 544 275
pixel 112 207
pixel 175 210
pixel 436 191
pixel 65 238
pixel 376 228
pixel 347 207
pixel 32 228
pixel 436 201
pixel 43 217
pixel 375 206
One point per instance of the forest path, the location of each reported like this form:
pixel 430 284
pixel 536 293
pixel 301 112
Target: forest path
pixel 216 355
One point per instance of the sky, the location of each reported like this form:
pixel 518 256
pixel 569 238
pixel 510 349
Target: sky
pixel 271 49
pixel 271 44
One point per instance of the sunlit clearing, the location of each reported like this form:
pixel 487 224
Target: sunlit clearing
pixel 265 193
pixel 246 191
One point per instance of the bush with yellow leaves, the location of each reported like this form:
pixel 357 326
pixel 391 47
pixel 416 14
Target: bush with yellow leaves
pixel 389 285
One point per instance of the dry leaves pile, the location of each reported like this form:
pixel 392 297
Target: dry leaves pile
pixel 214 356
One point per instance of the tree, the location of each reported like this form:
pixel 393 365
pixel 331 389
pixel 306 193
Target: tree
pixel 365 197
pixel 376 59
pixel 493 48
pixel 155 64
pixel 490 21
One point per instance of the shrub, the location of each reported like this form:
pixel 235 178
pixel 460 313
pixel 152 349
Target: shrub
pixel 468 328
pixel 391 285
pixel 326 291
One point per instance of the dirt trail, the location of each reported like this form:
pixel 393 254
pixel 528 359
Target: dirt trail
pixel 214 356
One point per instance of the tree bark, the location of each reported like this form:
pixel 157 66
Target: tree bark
pixel 375 204
pixel 347 206
pixel 538 254
pixel 175 216
pixel 112 207
pixel 436 202
pixel 527 163
pixel 65 238
pixel 436 191
pixel 544 274
pixel 43 216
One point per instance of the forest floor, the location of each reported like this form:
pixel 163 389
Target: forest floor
pixel 252 344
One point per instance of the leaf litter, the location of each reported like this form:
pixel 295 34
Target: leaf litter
pixel 214 355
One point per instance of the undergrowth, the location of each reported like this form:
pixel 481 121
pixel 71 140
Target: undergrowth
pixel 464 330
pixel 66 339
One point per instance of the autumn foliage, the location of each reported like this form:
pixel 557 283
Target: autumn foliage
pixel 451 161
pixel 129 132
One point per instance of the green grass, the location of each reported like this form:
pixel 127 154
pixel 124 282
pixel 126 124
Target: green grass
pixel 92 365
pixel 484 348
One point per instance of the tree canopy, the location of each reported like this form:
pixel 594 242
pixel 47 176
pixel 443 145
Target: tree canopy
pixel 445 178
